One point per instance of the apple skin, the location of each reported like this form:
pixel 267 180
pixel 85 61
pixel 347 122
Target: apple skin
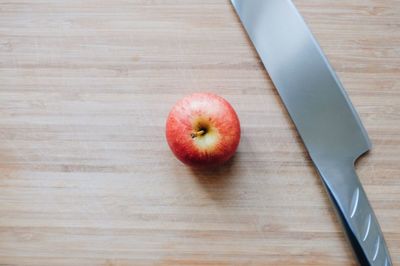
pixel 203 130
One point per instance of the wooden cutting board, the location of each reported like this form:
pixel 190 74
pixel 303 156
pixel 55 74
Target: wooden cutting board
pixel 86 176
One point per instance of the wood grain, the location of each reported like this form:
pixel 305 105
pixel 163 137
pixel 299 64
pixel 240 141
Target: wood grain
pixel 86 176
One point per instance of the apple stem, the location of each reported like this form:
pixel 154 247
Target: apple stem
pixel 198 133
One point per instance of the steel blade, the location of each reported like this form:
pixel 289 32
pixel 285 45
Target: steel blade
pixel 307 84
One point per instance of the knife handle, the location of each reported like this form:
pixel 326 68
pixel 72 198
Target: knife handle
pixel 356 214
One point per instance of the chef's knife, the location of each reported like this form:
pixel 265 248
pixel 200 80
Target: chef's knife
pixel 322 113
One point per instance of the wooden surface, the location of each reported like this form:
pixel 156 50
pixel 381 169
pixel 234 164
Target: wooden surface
pixel 86 176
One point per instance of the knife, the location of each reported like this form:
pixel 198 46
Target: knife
pixel 322 112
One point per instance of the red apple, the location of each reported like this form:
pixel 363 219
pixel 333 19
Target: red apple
pixel 203 130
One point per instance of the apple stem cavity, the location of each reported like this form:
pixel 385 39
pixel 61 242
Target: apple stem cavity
pixel 198 133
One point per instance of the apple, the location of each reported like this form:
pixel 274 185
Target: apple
pixel 202 130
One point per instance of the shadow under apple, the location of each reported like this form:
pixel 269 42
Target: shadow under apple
pixel 219 181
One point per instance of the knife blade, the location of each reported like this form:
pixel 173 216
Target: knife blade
pixel 322 112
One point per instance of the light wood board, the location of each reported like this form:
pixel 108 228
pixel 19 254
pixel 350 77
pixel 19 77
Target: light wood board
pixel 87 178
